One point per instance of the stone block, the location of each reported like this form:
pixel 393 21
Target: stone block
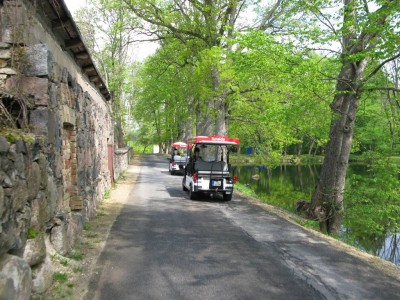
pixel 5 53
pixel 35 250
pixel 19 194
pixel 42 211
pixel 58 238
pixel 3 63
pixel 4 145
pixel 8 71
pixel 34 87
pixel 53 95
pixel 21 147
pixel 42 276
pixel 39 121
pixel 15 278
pixel 43 171
pixel 39 59
pixel 4 45
pixel 34 180
pixel 56 73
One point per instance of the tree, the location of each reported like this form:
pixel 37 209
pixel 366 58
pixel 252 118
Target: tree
pixel 112 51
pixel 200 27
pixel 365 36
pixel 279 93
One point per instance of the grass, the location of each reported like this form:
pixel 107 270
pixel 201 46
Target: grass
pixel 60 277
pixel 307 223
pixel 107 194
pixel 78 256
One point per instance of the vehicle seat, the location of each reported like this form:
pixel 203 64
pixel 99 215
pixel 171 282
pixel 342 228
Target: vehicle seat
pixel 217 166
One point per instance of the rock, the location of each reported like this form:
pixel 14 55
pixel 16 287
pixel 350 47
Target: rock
pixel 30 87
pixel 5 53
pixel 42 276
pixel 8 71
pixel 4 45
pixel 58 238
pixel 34 179
pixel 15 278
pixel 35 250
pixel 39 120
pixel 4 145
pixel 39 59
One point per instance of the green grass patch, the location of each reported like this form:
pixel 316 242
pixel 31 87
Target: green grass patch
pixel 78 256
pixel 307 223
pixel 107 194
pixel 32 233
pixel 60 277
pixel 87 226
pixel 64 261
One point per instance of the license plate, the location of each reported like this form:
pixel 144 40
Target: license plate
pixel 216 183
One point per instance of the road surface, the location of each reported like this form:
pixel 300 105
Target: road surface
pixel 165 246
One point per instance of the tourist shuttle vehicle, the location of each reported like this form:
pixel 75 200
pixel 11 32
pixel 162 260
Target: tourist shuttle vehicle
pixel 177 162
pixel 208 169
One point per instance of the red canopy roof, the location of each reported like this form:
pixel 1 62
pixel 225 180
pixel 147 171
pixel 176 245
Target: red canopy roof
pixel 213 139
pixel 179 145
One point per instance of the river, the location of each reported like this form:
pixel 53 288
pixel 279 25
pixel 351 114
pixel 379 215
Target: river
pixel 283 186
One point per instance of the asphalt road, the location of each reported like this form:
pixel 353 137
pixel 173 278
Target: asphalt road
pixel 165 246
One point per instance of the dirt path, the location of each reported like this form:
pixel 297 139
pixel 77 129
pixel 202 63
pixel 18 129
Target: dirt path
pixel 79 267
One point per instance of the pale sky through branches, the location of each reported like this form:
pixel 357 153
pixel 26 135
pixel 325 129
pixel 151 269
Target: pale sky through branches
pixel 141 50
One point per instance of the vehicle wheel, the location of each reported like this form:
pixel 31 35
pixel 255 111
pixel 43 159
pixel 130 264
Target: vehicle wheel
pixel 192 195
pixel 183 186
pixel 228 197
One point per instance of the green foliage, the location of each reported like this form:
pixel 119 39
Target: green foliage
pixel 307 223
pixel 32 233
pixel 373 202
pixel 281 84
pixel 107 194
pixel 12 135
pixel 78 256
pixel 60 277
pixel 87 226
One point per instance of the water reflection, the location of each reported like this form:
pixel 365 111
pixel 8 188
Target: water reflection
pixel 285 185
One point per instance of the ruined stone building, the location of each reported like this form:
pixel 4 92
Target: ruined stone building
pixel 55 173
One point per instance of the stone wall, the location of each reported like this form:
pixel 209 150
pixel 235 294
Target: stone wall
pixel 122 157
pixel 52 180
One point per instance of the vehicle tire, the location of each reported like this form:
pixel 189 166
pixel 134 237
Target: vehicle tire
pixel 192 195
pixel 228 197
pixel 183 185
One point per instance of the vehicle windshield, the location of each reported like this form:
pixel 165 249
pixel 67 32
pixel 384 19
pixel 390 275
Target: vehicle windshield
pixel 212 152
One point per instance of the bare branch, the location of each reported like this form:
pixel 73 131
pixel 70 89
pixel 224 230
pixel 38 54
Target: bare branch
pixel 380 66
pixel 270 16
pixel 382 89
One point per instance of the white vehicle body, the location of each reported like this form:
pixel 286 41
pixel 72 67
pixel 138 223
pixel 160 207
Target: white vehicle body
pixel 209 173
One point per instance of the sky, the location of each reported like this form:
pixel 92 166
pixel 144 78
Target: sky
pixel 141 50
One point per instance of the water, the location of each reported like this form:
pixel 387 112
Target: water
pixel 283 186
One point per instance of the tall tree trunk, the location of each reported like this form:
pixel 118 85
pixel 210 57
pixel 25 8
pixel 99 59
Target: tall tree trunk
pixel 219 103
pixel 327 199
pixel 211 116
